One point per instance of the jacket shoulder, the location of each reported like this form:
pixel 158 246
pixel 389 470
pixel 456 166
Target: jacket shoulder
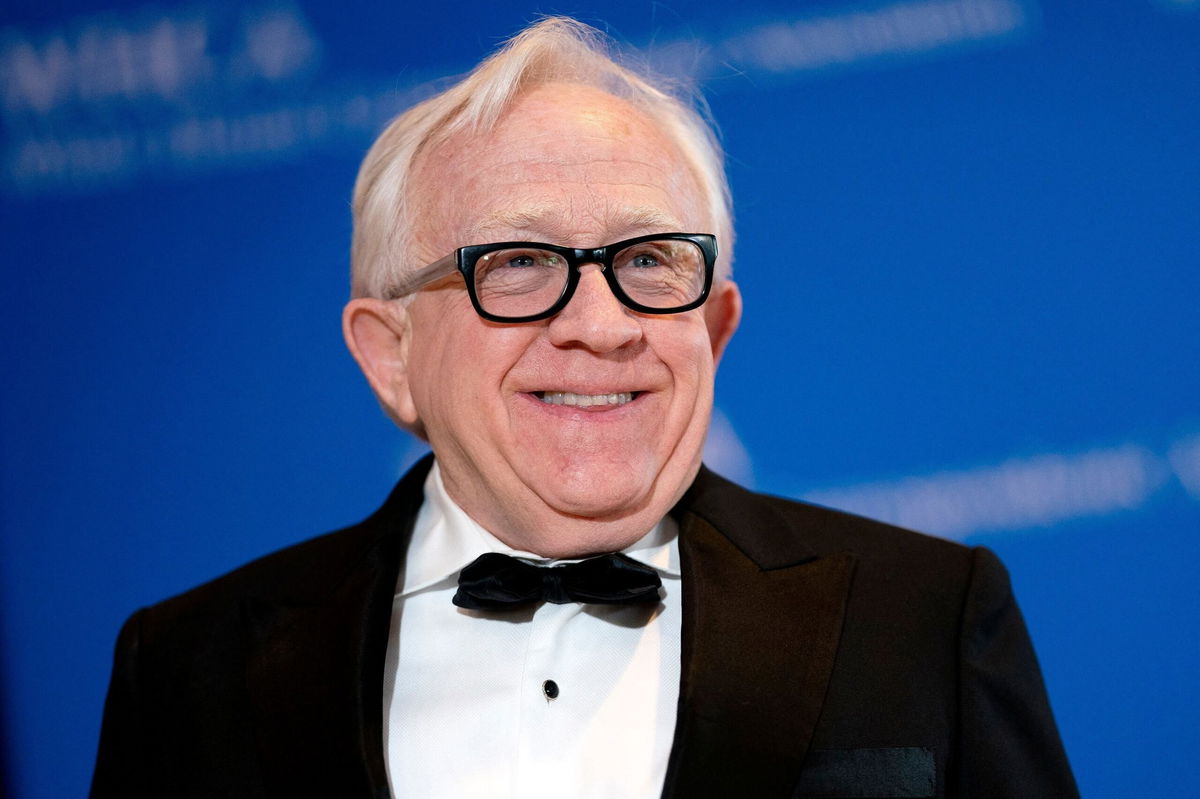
pixel 303 573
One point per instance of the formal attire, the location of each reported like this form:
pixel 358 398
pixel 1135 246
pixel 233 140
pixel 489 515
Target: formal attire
pixel 519 702
pixel 822 655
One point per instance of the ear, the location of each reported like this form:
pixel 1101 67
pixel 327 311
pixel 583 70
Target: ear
pixel 722 313
pixel 378 333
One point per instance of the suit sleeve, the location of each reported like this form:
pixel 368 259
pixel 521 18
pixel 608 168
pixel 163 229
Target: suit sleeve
pixel 1008 743
pixel 122 764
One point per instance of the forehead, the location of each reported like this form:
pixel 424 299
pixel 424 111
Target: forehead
pixel 565 163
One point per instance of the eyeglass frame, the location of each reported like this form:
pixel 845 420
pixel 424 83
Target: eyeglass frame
pixel 464 260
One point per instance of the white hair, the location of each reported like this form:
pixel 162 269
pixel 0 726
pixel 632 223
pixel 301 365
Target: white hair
pixel 552 50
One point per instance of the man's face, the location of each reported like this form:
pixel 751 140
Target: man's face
pixel 572 166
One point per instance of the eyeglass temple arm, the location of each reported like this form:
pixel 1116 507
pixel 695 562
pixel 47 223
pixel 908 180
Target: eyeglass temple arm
pixel 423 277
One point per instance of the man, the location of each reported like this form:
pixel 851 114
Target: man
pixel 541 276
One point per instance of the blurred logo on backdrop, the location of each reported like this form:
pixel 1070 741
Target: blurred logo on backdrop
pixel 109 98
pixel 852 36
pixel 1029 492
pixel 106 99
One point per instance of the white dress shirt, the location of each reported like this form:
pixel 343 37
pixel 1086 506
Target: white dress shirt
pixel 466 706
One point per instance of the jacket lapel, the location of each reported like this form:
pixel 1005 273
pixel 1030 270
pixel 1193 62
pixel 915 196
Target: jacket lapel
pixel 762 617
pixel 315 660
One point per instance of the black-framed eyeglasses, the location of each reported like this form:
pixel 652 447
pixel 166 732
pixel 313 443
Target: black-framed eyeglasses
pixel 524 281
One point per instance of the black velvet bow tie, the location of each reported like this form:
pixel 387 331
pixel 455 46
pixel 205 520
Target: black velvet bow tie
pixel 498 582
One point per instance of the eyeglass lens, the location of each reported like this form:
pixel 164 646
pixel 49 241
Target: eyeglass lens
pixel 667 273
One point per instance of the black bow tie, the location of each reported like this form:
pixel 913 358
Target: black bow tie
pixel 498 582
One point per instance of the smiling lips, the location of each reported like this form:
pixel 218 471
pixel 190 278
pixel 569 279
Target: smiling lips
pixel 584 400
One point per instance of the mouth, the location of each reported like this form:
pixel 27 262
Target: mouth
pixel 586 400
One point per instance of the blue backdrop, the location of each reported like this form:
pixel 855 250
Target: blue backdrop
pixel 967 243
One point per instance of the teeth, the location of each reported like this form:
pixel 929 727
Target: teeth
pixel 584 400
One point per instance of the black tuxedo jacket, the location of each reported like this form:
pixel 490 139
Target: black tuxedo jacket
pixel 823 655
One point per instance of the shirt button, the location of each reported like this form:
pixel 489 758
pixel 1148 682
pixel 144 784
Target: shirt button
pixel 550 689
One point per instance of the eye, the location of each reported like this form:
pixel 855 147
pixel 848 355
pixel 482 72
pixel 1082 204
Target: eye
pixel 517 263
pixel 527 259
pixel 644 260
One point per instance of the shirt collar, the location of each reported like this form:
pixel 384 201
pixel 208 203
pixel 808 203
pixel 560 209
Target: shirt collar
pixel 445 539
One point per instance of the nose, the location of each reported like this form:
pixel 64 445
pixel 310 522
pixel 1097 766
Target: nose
pixel 594 318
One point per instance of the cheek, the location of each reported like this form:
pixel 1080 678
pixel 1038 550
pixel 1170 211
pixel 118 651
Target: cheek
pixel 458 370
pixel 687 352
pixel 448 377
pixel 434 359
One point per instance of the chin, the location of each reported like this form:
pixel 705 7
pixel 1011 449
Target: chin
pixel 588 503
pixel 605 490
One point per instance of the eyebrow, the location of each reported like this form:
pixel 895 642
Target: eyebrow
pixel 547 219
